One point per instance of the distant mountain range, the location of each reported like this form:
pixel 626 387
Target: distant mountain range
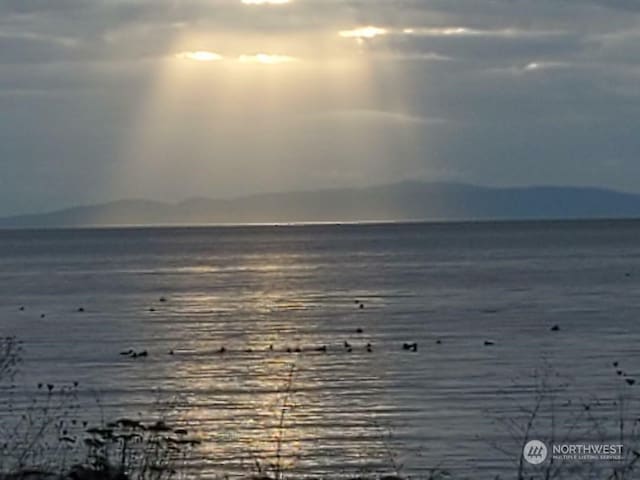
pixel 400 201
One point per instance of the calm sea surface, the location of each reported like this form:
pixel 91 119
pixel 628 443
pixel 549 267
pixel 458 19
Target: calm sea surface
pixel 448 287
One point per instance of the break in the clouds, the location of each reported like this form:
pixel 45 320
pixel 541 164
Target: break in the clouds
pixel 168 99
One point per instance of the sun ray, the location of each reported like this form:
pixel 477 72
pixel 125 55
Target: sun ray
pixel 266 59
pixel 225 104
pixel 265 2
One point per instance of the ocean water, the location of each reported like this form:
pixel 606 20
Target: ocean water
pixel 450 288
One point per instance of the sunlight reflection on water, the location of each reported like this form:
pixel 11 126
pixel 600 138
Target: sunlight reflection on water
pixel 448 288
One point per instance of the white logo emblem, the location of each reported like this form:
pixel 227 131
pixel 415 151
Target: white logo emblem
pixel 535 452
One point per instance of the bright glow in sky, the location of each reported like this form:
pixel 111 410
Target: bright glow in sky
pixel 265 2
pixel 200 56
pixel 363 32
pixel 266 59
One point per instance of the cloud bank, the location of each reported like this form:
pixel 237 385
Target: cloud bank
pixel 168 99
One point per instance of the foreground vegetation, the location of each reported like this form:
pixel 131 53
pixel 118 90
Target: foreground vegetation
pixel 50 439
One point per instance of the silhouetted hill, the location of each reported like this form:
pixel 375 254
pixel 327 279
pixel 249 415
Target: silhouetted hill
pixel 401 201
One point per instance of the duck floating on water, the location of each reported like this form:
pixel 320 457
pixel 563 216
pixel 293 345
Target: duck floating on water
pixel 133 354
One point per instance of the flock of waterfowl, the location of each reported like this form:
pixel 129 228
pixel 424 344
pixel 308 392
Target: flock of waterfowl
pixel 346 346
pixel 630 381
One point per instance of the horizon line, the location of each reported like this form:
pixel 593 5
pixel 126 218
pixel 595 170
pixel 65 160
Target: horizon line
pixel 347 223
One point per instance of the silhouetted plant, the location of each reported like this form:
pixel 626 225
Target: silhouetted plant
pixel 48 436
pixel 42 433
pixel 275 467
pixel 545 417
pixel 10 358
pixel 393 463
pixel 139 451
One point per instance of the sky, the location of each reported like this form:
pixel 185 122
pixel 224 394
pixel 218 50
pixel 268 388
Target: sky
pixel 173 99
